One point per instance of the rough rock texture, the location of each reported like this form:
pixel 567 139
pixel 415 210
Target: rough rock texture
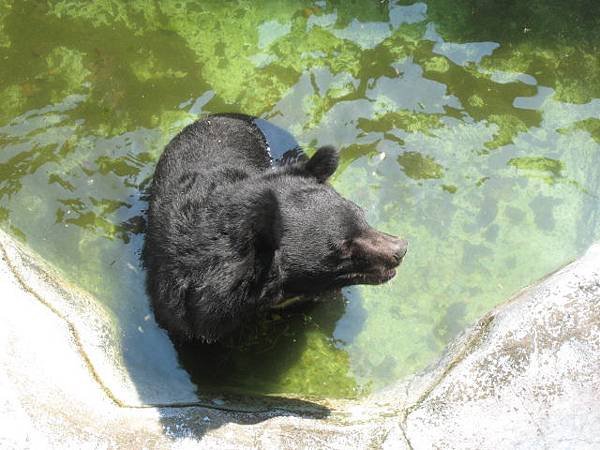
pixel 526 376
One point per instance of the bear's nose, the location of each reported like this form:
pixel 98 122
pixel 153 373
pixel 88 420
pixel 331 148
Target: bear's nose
pixel 399 249
pixel 381 248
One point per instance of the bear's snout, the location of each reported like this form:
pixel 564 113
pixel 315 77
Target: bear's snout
pixel 382 246
pixel 379 254
pixel 387 249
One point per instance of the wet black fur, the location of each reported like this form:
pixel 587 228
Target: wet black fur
pixel 230 236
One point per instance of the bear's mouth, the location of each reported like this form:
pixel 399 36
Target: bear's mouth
pixel 377 277
pixel 380 276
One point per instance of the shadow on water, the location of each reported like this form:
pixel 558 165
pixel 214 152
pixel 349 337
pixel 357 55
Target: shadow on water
pixel 258 359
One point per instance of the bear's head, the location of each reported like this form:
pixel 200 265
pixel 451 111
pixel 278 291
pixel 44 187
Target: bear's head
pixel 316 239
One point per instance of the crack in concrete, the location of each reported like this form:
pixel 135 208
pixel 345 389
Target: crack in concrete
pixel 405 436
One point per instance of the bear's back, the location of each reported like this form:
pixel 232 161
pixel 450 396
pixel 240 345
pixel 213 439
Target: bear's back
pixel 208 146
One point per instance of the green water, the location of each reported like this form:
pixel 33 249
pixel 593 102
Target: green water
pixel 472 128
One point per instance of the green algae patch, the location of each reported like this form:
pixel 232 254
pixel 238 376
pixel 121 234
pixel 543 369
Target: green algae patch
pixel 547 169
pixel 419 167
pixel 387 117
pixel 591 126
pixel 437 64
pixel 508 128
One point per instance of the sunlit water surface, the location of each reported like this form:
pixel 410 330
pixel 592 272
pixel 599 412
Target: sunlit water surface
pixel 470 128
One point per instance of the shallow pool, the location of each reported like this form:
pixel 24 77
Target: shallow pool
pixel 470 128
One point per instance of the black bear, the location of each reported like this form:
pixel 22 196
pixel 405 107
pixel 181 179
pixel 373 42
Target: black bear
pixel 230 235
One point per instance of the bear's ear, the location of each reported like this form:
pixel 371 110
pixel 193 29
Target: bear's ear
pixel 323 163
pixel 266 222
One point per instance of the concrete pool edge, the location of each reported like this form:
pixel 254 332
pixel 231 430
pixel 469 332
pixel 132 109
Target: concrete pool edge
pixel 523 374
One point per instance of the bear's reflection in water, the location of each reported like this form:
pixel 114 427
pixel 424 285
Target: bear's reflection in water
pixel 268 355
